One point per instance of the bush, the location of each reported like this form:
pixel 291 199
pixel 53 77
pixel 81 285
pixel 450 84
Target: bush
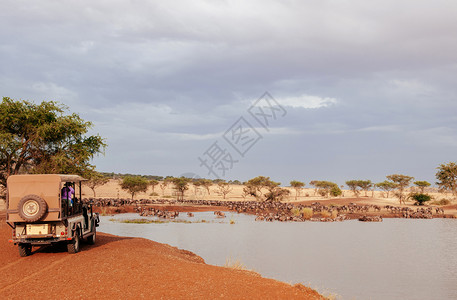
pixel 335 191
pixel 153 194
pixel 420 198
pixel 307 213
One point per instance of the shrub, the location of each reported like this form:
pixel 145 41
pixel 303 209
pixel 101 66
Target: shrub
pixel 420 198
pixel 153 194
pixel 325 214
pixel 307 213
pixel 335 191
pixel 295 211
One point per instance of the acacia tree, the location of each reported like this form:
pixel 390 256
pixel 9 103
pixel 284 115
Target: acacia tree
pixel 353 185
pixel 255 185
pixel 402 181
pixel 365 185
pixel 298 186
pixel 224 188
pixel 134 184
pixel 206 183
pixel 94 180
pixel 447 177
pixel 181 185
pixel 153 183
pixel 163 185
pixel 422 185
pixel 41 138
pixel 326 188
pixel 386 186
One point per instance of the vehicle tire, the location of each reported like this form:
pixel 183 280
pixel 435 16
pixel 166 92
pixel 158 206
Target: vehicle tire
pixel 91 239
pixel 73 246
pixel 24 250
pixel 32 208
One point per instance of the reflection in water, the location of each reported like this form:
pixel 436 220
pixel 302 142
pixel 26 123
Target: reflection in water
pixel 395 259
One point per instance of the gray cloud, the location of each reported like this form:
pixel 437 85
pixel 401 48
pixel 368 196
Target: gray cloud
pixel 161 80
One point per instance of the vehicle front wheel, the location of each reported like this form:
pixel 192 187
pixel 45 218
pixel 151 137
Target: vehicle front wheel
pixel 73 246
pixel 24 250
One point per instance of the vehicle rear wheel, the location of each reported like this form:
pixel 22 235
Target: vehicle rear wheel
pixel 73 246
pixel 24 250
pixel 91 239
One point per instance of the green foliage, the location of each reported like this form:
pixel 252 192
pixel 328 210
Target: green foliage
pixel 181 185
pixel 153 183
pixel 40 138
pixel 335 191
pixel 255 185
pixel 206 183
pixel 402 181
pixel 134 184
pixel 365 185
pixel 95 179
pixel 224 188
pixel 420 198
pixel 356 185
pixel 386 186
pixel 276 194
pixel 353 185
pixel 297 185
pixel 325 187
pixel 447 177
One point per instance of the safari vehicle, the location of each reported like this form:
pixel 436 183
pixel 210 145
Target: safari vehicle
pixel 39 214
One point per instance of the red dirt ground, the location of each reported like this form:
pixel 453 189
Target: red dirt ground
pixel 128 268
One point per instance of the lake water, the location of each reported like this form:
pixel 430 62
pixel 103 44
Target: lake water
pixel 393 259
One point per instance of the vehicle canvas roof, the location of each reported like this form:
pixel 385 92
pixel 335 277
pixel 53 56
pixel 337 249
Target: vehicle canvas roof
pixel 40 177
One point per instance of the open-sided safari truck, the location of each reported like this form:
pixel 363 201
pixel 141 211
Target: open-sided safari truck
pixel 39 214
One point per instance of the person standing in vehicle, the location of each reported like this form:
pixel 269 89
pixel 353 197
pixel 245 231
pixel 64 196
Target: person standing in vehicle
pixel 67 193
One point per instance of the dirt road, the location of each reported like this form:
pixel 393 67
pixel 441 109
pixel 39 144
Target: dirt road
pixel 128 268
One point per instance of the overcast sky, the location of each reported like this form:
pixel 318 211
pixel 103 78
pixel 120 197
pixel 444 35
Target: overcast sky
pixel 356 89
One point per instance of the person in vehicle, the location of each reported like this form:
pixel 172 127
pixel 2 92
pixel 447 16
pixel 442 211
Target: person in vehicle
pixel 67 193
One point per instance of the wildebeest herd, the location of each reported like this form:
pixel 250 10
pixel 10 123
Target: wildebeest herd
pixel 276 211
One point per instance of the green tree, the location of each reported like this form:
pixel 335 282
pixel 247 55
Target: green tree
pixel 165 182
pixel 298 186
pixel 224 188
pixel 181 185
pixel 420 198
pixel 387 186
pixel 41 138
pixel 365 185
pixel 94 180
pixel 134 184
pixel 325 188
pixel 447 177
pixel 335 191
pixel 153 183
pixel 255 185
pixel 422 185
pixel 206 183
pixel 402 181
pixel 353 185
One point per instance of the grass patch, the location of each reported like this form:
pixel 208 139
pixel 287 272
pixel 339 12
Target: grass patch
pixel 307 213
pixel 234 264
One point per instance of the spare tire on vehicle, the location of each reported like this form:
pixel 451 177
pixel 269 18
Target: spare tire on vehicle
pixel 32 208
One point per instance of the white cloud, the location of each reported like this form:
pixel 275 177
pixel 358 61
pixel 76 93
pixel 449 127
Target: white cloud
pixel 307 101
